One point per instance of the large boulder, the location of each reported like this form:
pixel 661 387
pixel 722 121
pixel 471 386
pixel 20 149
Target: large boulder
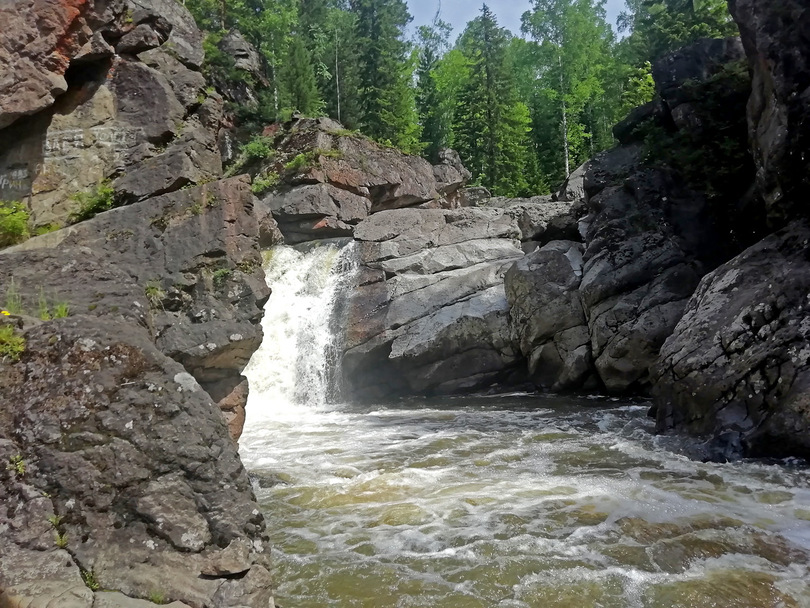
pixel 646 249
pixel 429 312
pixel 739 360
pixel 775 37
pixel 546 316
pixel 35 58
pixel 124 477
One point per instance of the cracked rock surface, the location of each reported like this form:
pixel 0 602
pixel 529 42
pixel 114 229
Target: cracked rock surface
pixel 739 360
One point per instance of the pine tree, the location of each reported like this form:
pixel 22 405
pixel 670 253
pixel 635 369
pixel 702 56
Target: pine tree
pixel 433 115
pixel 386 98
pixel 299 90
pixel 491 124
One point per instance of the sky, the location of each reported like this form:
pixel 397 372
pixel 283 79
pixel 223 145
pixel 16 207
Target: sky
pixel 459 12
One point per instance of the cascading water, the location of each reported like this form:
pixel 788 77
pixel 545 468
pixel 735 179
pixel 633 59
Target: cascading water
pixel 298 360
pixel 518 501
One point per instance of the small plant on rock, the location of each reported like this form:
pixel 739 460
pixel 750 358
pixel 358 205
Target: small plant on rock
pixel 61 540
pixel 14 304
pixel 258 147
pixel 155 294
pixel 13 223
pixel 157 597
pixel 220 276
pixel 12 346
pixel 265 181
pixel 89 578
pixel 16 464
pixel 90 203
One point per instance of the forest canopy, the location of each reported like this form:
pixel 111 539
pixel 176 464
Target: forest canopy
pixel 523 109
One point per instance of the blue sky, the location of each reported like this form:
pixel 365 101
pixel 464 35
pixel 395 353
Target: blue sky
pixel 459 12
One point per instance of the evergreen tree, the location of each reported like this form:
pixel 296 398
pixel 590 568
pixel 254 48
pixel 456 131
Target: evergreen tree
pixel 433 115
pixel 658 27
pixel 491 125
pixel 300 92
pixel 386 97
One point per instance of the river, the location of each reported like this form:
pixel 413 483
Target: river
pixel 518 500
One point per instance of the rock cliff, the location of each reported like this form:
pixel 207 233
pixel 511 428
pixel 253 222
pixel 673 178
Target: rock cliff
pixel 124 335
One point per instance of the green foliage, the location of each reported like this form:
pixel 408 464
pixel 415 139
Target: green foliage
pixel 89 578
pixel 61 540
pixel 155 294
pixel 264 182
pixel 90 203
pixel 157 597
pixel 658 27
pixel 300 92
pixel 16 464
pixel 55 520
pixel 259 147
pixel 46 228
pixel 220 276
pixel 13 223
pixel 715 160
pixel 14 303
pixel 307 159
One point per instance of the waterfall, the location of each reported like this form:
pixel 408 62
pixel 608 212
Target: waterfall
pixel 298 361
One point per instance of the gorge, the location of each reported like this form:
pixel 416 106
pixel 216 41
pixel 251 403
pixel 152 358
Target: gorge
pixel 410 391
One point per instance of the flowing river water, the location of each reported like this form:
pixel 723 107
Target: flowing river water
pixel 501 501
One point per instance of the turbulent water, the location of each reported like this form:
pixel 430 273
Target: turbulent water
pixel 510 501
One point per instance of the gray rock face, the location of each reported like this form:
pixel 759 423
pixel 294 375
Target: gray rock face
pixel 186 265
pixel 775 35
pixel 546 316
pixel 429 314
pixel 132 107
pixel 36 57
pixel 641 264
pixel 146 486
pixel 738 359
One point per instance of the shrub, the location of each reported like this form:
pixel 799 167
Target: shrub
pixel 13 223
pixel 89 204
pixel 265 181
pixel 258 147
pixel 12 346
pixel 14 303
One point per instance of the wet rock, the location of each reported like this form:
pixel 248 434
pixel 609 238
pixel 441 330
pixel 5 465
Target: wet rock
pixel 429 312
pixel 546 315
pixel 737 360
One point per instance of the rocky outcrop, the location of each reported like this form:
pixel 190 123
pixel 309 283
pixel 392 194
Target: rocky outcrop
pixel 429 314
pixel 119 475
pixel 546 316
pixel 738 361
pixel 120 483
pixel 114 93
pixel 115 406
pixel 332 179
pixel 775 39
pixel 185 265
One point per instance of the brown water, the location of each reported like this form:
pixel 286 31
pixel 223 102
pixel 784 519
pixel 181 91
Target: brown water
pixel 510 502
pixel 519 501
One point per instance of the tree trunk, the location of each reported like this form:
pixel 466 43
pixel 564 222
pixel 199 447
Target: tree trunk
pixel 564 120
pixel 337 76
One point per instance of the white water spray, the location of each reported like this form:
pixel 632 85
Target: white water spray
pixel 298 359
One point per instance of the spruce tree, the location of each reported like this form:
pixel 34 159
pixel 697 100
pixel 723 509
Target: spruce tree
pixel 491 125
pixel 385 94
pixel 299 90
